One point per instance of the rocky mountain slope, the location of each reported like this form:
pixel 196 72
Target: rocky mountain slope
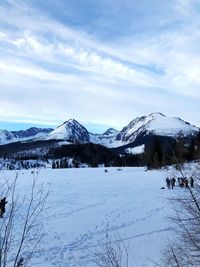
pixel 73 132
pixel 154 124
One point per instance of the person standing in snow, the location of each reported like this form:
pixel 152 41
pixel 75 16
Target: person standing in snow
pixel 168 182
pixel 186 182
pixel 182 183
pixel 2 206
pixel 173 181
pixel 191 182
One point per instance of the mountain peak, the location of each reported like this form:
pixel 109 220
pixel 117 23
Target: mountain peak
pixel 110 131
pixel 155 124
pixel 155 114
pixel 71 130
pixel 23 135
pixel 70 121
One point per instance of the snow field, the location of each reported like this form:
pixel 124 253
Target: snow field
pixel 86 205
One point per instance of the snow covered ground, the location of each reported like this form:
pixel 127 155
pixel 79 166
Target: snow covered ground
pixel 135 150
pixel 85 205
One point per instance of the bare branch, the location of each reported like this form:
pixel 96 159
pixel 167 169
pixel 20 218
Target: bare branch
pixel 184 249
pixel 20 230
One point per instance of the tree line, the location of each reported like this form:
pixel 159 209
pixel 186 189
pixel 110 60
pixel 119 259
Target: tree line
pixel 92 155
pixel 159 151
pixel 162 151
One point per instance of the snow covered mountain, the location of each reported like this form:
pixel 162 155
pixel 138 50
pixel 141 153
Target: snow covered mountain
pixel 106 139
pixel 31 133
pixel 154 124
pixel 110 132
pixel 71 131
pixel 22 135
pixel 6 137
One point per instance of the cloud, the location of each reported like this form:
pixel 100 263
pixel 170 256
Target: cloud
pixel 51 71
pixel 81 57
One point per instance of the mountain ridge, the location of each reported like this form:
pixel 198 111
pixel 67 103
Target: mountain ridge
pixel 73 132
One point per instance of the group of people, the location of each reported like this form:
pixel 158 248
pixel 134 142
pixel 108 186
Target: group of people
pixel 185 182
pixel 182 182
pixel 3 203
pixel 170 182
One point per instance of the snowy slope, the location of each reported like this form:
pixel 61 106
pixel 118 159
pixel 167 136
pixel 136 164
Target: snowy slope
pixel 106 139
pixel 157 124
pixel 83 211
pixel 135 150
pixel 7 137
pixel 153 124
pixel 110 132
pixel 31 133
pixel 71 131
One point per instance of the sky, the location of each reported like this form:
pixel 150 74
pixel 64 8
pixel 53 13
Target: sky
pixel 102 62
